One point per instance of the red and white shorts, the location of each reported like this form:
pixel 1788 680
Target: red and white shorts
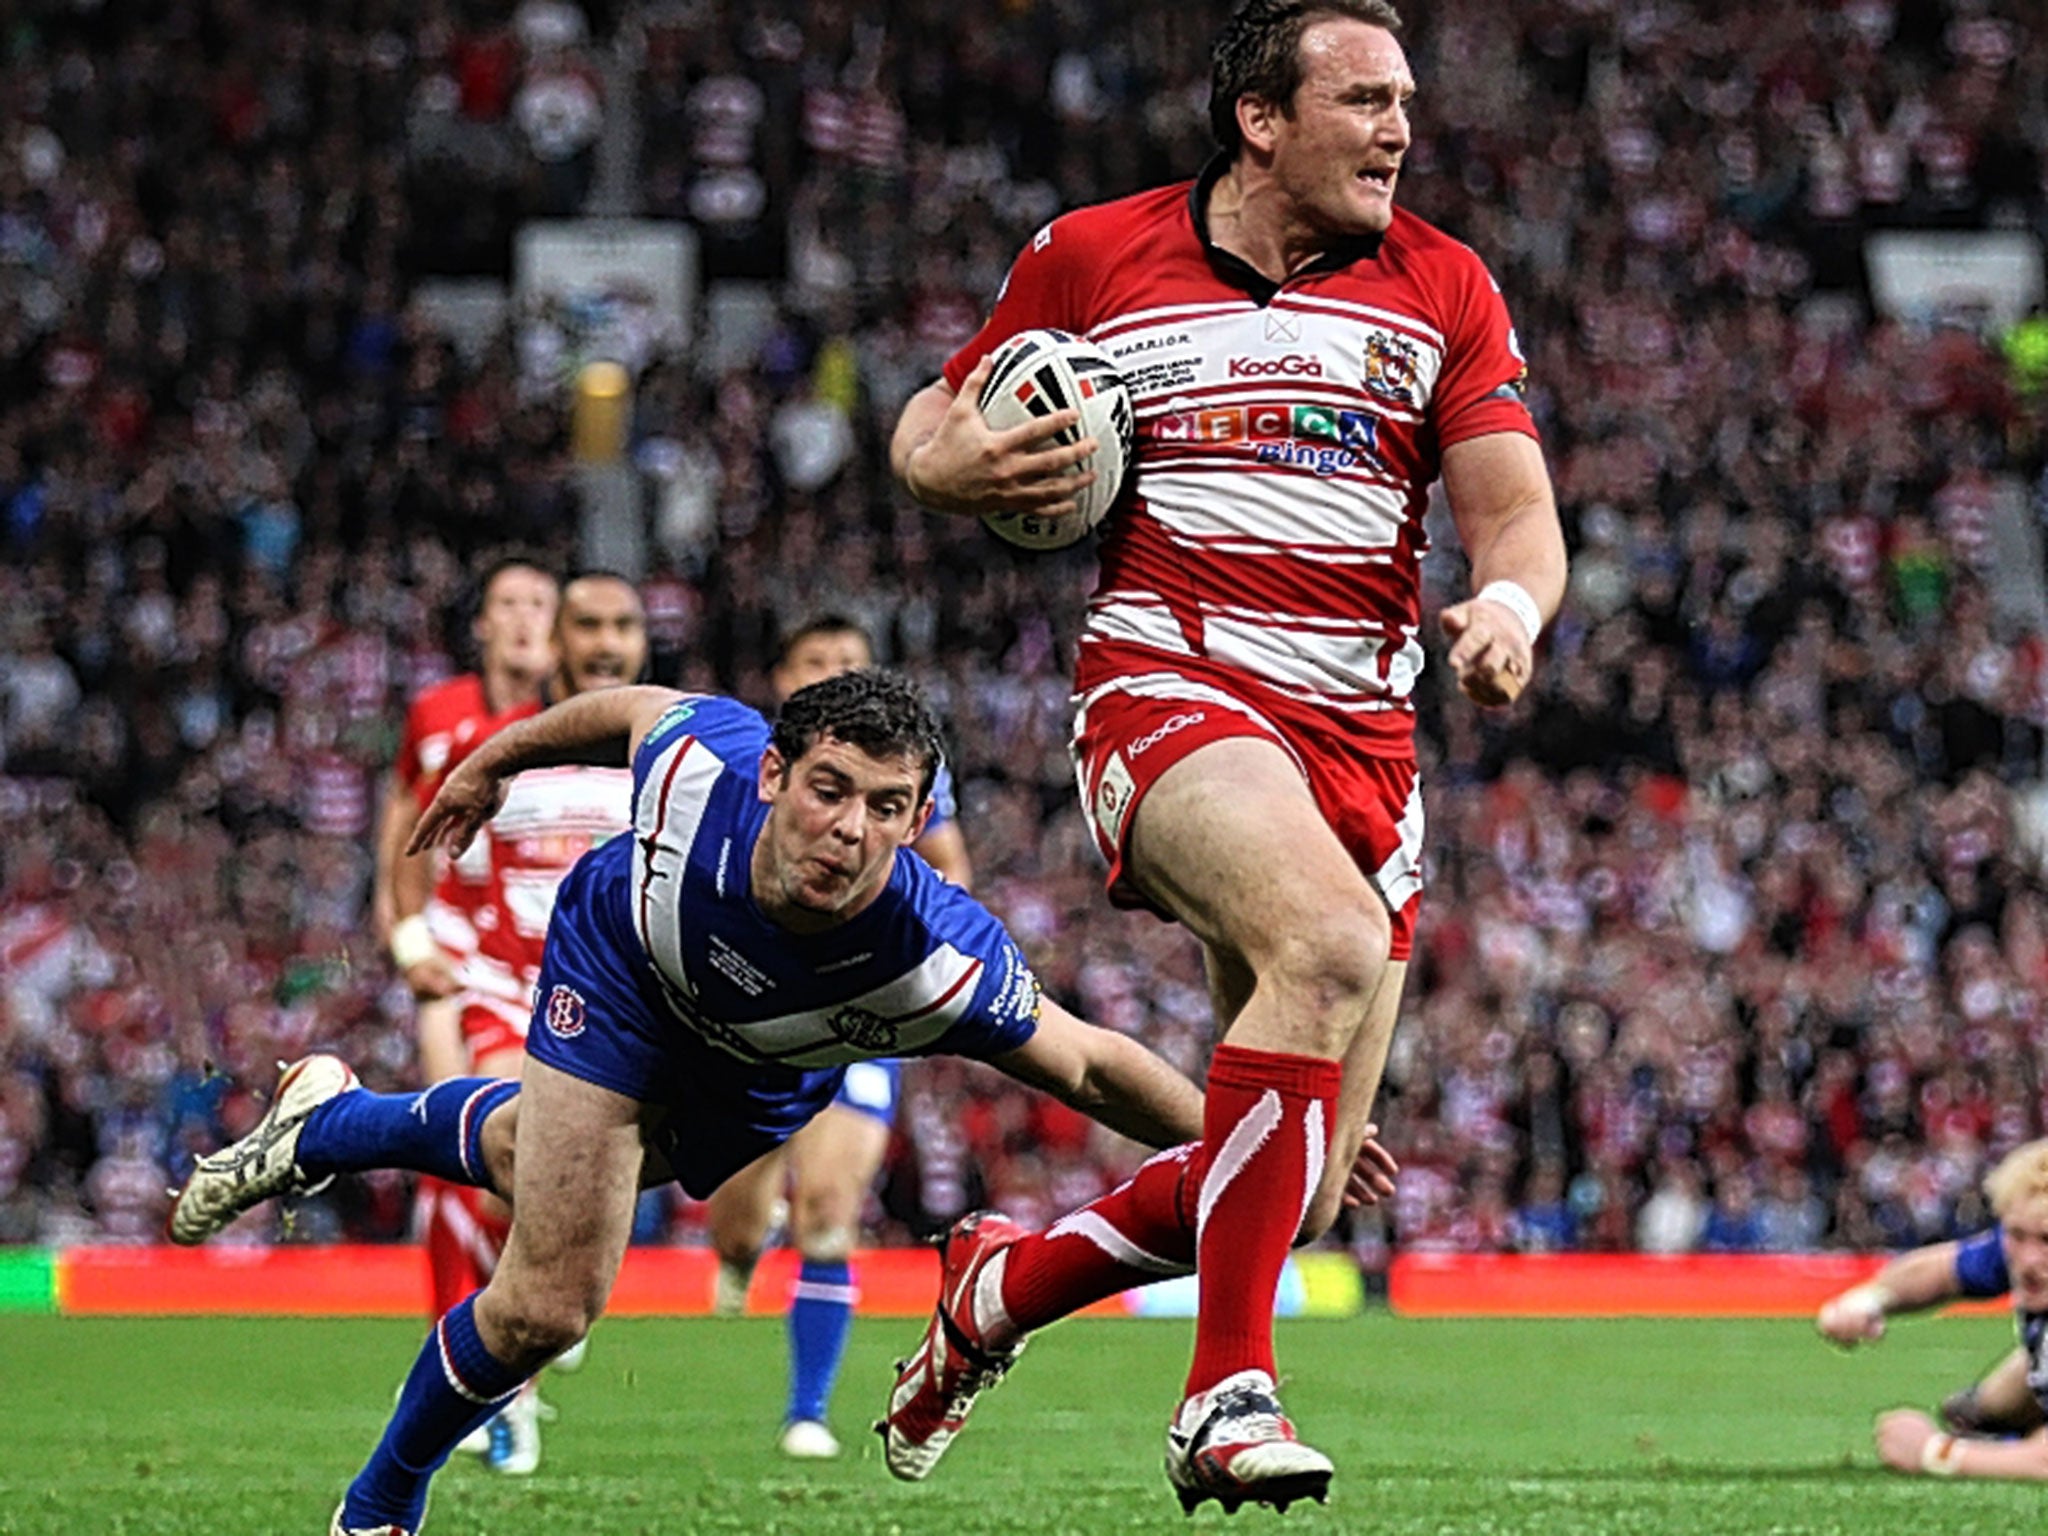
pixel 1130 730
pixel 497 1005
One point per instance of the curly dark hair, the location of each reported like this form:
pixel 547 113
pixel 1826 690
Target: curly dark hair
pixel 883 713
pixel 1258 53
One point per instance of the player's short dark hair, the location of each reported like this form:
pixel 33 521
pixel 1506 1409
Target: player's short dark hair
pixel 1258 53
pixel 512 560
pixel 599 573
pixel 823 624
pixel 882 713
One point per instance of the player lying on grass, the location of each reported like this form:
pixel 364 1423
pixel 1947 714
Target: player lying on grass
pixel 2013 1398
pixel 705 983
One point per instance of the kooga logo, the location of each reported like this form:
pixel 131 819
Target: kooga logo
pixel 1292 366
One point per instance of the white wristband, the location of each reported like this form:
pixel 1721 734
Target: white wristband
pixel 1941 1456
pixel 1514 597
pixel 412 941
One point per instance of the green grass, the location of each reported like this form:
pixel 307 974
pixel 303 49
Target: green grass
pixel 1548 1429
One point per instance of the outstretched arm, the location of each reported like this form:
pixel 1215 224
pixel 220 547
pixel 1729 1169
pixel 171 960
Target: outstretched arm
pixel 598 729
pixel 2002 1403
pixel 1909 1441
pixel 1108 1077
pixel 1114 1080
pixel 1925 1277
pixel 398 903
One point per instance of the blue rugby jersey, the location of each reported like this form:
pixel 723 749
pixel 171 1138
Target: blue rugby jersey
pixel 923 969
pixel 1981 1271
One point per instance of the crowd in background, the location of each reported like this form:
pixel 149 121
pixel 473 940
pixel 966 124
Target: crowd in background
pixel 1734 936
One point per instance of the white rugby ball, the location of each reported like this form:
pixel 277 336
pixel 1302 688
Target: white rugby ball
pixel 1036 373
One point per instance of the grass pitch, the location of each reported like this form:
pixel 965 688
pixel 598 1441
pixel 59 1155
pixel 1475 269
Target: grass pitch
pixel 134 1428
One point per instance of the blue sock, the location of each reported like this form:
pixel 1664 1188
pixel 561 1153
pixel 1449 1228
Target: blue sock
pixel 439 1131
pixel 455 1385
pixel 820 1313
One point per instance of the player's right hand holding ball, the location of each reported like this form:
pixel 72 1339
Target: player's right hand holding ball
pixel 967 466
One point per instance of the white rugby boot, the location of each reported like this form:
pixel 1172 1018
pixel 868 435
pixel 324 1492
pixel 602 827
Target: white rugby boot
pixel 956 1361
pixel 1234 1445
pixel 807 1440
pixel 515 1435
pixel 263 1163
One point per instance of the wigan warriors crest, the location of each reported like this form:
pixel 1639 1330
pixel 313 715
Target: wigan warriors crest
pixel 1391 367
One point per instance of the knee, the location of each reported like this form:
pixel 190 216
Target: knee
pixel 1331 961
pixel 530 1330
pixel 827 1245
pixel 741 1216
pixel 825 1220
pixel 738 1244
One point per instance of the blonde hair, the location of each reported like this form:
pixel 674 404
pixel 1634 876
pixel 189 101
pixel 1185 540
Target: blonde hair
pixel 2022 1173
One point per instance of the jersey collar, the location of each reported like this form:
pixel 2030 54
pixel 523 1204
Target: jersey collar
pixel 1238 272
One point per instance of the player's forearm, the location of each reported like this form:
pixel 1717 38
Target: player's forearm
pixel 922 415
pixel 2025 1459
pixel 395 821
pixel 1527 548
pixel 1923 1278
pixel 2002 1403
pixel 591 730
pixel 1137 1094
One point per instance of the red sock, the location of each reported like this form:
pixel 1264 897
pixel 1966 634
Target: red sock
pixel 1265 1133
pixel 493 1227
pixel 463 1241
pixel 1141 1231
pixel 450 1266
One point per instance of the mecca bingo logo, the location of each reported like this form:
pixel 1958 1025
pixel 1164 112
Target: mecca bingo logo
pixel 1322 438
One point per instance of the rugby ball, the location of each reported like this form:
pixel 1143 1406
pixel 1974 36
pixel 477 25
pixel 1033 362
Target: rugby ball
pixel 1036 373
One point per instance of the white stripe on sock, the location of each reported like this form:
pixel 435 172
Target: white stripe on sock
pixel 1318 1149
pixel 818 1290
pixel 448 1368
pixel 1096 1228
pixel 469 1233
pixel 1239 1148
pixel 990 1317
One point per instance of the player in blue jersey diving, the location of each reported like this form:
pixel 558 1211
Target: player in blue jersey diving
pixel 827 1168
pixel 707 980
pixel 1995 1427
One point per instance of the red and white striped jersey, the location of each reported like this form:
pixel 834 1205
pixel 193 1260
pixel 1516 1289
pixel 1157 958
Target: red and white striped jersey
pixel 444 724
pixel 1287 436
pixel 551 818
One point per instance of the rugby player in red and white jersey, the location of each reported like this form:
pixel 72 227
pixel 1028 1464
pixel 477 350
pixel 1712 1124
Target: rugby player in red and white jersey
pixel 549 819
pixel 1304 360
pixel 425 909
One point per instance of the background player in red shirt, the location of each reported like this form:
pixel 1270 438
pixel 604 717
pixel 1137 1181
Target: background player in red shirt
pixel 426 907
pixel 421 910
pixel 1304 361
